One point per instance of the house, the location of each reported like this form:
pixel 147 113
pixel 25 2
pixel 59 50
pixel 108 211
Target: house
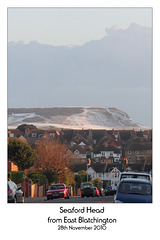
pixel 81 141
pixel 147 134
pixel 97 135
pixel 138 151
pixel 116 134
pixel 108 173
pixel 79 155
pixel 111 176
pixel 124 137
pixel 12 133
pixel 96 170
pixel 11 166
pixel 35 136
pixel 139 167
pixel 111 153
pixel 76 167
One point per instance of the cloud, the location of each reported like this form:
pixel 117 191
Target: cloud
pixel 39 73
pixel 113 29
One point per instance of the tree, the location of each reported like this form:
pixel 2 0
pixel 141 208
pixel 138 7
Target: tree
pixel 97 182
pixel 51 176
pixel 52 155
pixel 23 127
pixel 81 177
pixel 21 154
pixel 67 177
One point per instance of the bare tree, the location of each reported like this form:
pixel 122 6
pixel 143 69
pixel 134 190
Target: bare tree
pixel 52 155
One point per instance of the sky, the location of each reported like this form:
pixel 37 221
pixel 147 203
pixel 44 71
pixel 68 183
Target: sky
pixel 70 26
pixel 121 78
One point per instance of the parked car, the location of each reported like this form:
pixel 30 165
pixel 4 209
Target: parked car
pixel 58 191
pixel 101 191
pixel 87 189
pixel 15 194
pixel 96 192
pixel 134 191
pixel 139 175
pixel 109 191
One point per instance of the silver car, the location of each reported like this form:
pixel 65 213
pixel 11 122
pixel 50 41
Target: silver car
pixel 15 194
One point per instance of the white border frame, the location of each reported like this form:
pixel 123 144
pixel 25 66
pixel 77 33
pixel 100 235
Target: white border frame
pixel 30 220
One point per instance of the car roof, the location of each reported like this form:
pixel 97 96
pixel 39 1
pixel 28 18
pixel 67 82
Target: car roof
pixel 136 173
pixel 135 180
pixel 58 184
pixel 86 183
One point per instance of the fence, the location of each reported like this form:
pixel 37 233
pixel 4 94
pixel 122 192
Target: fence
pixel 35 190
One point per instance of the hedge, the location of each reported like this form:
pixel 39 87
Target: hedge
pixel 16 176
pixel 51 176
pixel 35 176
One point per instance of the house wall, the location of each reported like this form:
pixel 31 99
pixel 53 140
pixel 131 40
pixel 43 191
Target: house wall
pixel 12 166
pixel 137 156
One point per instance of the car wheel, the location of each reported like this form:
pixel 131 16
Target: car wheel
pixel 67 197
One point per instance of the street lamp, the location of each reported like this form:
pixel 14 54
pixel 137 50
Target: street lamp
pixel 109 174
pixel 89 162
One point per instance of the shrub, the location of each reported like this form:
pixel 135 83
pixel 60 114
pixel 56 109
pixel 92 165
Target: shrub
pixel 16 177
pixel 35 176
pixel 51 176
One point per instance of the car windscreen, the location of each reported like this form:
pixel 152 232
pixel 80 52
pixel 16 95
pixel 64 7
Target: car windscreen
pixel 53 187
pixel 86 186
pixel 139 176
pixel 135 188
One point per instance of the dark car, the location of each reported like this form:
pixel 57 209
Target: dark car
pixel 15 194
pixel 101 191
pixel 87 189
pixel 134 191
pixel 109 191
pixel 58 191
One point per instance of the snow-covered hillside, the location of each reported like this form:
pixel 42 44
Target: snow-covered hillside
pixel 72 117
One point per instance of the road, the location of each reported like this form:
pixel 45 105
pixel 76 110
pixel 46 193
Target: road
pixel 105 199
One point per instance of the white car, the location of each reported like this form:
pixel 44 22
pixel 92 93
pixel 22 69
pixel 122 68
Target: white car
pixel 139 175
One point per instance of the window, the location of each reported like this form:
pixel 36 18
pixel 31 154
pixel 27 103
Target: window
pixel 34 134
pixel 11 135
pixel 52 134
pixel 76 152
pixel 135 188
pixel 94 141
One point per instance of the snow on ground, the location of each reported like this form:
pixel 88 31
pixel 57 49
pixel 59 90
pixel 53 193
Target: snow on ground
pixel 90 118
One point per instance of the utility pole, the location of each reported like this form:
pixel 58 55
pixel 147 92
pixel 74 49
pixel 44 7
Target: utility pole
pixel 88 164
